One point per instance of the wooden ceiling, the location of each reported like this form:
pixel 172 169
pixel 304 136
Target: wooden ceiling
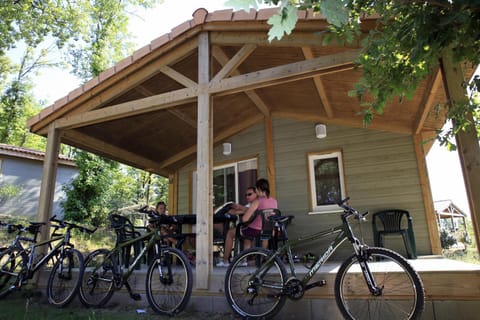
pixel 142 112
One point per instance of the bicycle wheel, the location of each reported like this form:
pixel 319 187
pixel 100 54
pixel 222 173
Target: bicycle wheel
pixel 399 289
pixel 255 296
pixel 65 277
pixel 169 282
pixel 11 265
pixel 97 282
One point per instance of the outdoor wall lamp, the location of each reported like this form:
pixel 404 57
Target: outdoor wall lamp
pixel 320 131
pixel 227 148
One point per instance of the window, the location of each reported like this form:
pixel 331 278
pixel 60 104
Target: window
pixel 229 182
pixel 326 180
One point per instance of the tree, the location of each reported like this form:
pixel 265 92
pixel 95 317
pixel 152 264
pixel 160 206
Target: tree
pixel 410 39
pixel 101 186
pixel 17 103
pixel 86 196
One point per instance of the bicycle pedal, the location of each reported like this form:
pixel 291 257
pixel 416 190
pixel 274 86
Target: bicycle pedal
pixel 316 284
pixel 136 296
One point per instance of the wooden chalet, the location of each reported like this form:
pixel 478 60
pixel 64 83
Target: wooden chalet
pixel 216 79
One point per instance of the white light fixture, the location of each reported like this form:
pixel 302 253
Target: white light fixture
pixel 227 148
pixel 320 131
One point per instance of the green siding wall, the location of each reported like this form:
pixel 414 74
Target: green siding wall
pixel 380 173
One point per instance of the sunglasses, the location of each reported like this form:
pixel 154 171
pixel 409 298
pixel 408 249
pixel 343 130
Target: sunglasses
pixel 248 194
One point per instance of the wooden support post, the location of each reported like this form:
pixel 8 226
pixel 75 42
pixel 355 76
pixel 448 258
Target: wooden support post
pixel 204 227
pixel 270 153
pixel 47 187
pixel 467 141
pixel 173 193
pixel 432 225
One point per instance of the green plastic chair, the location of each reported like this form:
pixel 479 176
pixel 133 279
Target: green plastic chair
pixel 391 222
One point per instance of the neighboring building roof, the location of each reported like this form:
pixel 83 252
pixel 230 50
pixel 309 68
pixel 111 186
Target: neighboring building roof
pixel 446 208
pixel 25 153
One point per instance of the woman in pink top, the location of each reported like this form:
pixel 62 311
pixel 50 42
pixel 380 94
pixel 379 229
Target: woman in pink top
pixel 263 201
pixel 254 228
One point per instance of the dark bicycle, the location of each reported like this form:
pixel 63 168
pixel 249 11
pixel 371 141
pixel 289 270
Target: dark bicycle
pixel 373 283
pixel 169 277
pixel 20 260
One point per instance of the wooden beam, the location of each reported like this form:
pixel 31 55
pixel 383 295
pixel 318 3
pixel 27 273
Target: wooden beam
pixel 113 152
pixel 49 174
pixel 131 108
pixel 467 141
pixel 430 215
pixel 354 121
pixel 220 136
pixel 285 73
pixel 270 154
pixel 177 113
pixel 233 63
pixel 260 38
pixel 428 100
pixel 308 54
pixel 119 83
pixel 204 226
pixel 177 76
pixel 173 193
pixel 222 59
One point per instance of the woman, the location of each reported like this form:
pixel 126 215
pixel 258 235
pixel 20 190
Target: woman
pixel 254 228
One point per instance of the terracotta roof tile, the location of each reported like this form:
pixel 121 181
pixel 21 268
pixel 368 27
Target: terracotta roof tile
pixel 311 15
pixel 265 14
pixel 46 111
pixel 75 93
pixel 220 15
pixel 243 15
pixel 178 30
pixel 199 16
pixel 160 41
pixel 301 14
pixel 143 51
pixel 122 64
pixel 91 83
pixel 106 74
pixel 20 152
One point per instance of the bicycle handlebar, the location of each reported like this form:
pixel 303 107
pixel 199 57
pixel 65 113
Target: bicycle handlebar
pixel 66 224
pixel 350 210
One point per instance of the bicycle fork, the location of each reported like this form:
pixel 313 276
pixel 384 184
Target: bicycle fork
pixel 362 257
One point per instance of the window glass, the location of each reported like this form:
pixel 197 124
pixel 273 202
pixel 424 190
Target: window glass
pixel 229 182
pixel 326 180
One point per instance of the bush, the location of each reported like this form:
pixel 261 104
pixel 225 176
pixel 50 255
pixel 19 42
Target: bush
pixel 446 239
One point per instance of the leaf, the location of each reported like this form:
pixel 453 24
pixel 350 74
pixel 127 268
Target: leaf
pixel 336 12
pixel 282 23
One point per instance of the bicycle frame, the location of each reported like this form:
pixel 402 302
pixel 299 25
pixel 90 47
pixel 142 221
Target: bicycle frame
pixel 343 232
pixel 33 266
pixel 155 238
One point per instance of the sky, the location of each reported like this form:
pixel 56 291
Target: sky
pixel 443 166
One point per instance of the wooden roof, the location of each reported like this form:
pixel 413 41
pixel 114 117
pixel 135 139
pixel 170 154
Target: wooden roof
pixel 142 111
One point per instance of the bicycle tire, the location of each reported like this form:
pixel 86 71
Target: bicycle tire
pixel 65 277
pixel 401 295
pixel 97 283
pixel 12 263
pixel 255 301
pixel 169 282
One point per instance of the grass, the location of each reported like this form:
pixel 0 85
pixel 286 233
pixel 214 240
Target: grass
pixel 28 304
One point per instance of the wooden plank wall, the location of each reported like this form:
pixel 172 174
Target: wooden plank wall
pixel 380 172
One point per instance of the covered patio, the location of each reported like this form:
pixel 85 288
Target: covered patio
pixel 176 100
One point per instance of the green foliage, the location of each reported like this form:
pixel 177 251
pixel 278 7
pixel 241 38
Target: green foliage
pixel 409 40
pixel 86 197
pixel 447 240
pixel 8 191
